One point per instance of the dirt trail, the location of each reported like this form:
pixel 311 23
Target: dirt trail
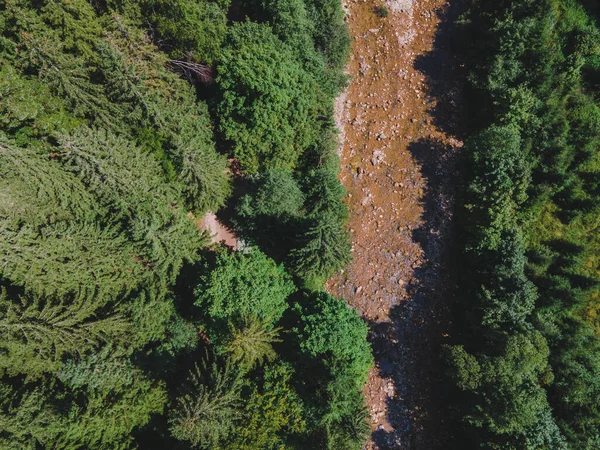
pixel 218 231
pixel 398 165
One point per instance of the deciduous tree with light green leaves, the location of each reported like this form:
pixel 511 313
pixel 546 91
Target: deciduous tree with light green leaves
pixel 276 116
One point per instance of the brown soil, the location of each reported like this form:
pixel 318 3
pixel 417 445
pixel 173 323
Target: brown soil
pixel 398 165
pixel 218 231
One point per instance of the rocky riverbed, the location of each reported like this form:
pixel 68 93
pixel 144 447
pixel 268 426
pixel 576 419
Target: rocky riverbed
pixel 399 145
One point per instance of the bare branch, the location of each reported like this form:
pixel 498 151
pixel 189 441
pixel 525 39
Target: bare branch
pixel 193 71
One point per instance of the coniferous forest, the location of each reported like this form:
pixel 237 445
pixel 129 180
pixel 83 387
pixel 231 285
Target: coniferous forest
pixel 122 123
pixel 525 364
pixel 120 326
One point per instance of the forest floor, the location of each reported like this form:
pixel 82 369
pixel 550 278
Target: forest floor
pixel 218 231
pixel 398 121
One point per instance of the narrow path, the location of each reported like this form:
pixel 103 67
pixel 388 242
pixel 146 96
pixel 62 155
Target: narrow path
pixel 218 231
pixel 398 165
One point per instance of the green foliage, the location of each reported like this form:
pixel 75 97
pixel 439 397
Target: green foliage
pixel 240 285
pixel 323 244
pixel 498 187
pixel 323 248
pixel 29 107
pixel 330 330
pixel 530 159
pixel 208 410
pixel 331 36
pixel 509 384
pixel 272 412
pixel 269 214
pixel 324 193
pixel 201 171
pixel 249 343
pixel 107 160
pixel 504 295
pixel 345 424
pixel 275 195
pixel 25 408
pixel 131 184
pixel 180 336
pixel 64 258
pixel 37 334
pixel 193 29
pixel 36 191
pixel 277 116
pixel 99 413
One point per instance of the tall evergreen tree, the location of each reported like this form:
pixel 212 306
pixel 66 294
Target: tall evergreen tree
pixel 322 249
pixel 250 342
pixel 38 333
pixel 207 412
pixel 133 185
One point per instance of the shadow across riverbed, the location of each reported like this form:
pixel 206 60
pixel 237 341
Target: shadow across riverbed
pixel 408 349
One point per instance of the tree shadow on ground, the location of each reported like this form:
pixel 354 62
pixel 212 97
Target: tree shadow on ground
pixel 444 72
pixel 408 349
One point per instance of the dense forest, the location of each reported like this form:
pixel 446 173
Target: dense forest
pixel 121 124
pixel 525 364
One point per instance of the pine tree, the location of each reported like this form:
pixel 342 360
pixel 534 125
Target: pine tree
pixel 200 169
pixel 101 412
pixel 194 29
pixel 346 426
pixel 275 196
pixel 132 184
pixel 273 410
pixel 324 192
pixel 29 106
pixel 26 417
pixel 112 400
pixel 124 84
pixel 117 172
pixel 158 99
pixel 69 258
pixel 68 77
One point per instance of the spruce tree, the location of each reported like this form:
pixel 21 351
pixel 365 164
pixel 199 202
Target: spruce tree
pixel 68 77
pixel 273 411
pixel 69 258
pixel 207 411
pixel 27 419
pixel 132 184
pixel 250 342
pixel 37 333
pixel 322 248
pixel 200 170
pixel 34 189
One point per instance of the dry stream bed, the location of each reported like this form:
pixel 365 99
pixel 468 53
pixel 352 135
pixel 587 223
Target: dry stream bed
pixel 398 121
